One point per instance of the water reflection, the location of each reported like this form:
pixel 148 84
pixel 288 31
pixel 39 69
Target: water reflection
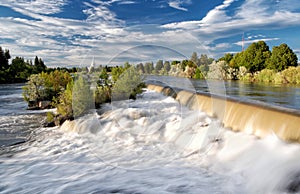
pixel 283 95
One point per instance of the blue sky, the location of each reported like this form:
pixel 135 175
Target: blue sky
pixel 72 32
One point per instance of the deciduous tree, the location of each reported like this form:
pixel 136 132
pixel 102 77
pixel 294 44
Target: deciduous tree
pixel 282 57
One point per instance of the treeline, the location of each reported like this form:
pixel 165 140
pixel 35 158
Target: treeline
pixel 184 68
pixel 256 63
pixel 19 70
pixel 75 94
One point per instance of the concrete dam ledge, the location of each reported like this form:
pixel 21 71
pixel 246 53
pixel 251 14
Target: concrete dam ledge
pixel 253 118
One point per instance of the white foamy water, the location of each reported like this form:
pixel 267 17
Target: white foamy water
pixel 151 145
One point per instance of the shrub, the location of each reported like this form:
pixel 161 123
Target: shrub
pixel 64 107
pixel 218 70
pixel 278 78
pixel 45 86
pixel 34 90
pixel 292 75
pixel 265 75
pixel 248 77
pixel 102 95
pixel 128 85
pixel 50 117
pixel 82 98
pixel 198 74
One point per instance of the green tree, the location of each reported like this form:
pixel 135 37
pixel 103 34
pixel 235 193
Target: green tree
pixel 159 65
pixel 237 61
pixel 282 57
pixel 116 72
pixel 4 57
pixel 46 86
pixel 140 68
pixel 64 107
pixel 128 85
pixel 204 60
pixel 175 62
pixel 82 97
pixel 227 58
pixel 103 74
pixel 20 70
pixel 39 65
pixel 255 56
pixel 56 82
pixel 194 59
pixel 167 66
pixel 34 90
pixel 198 74
pixel 127 65
pixel 103 78
pixel 149 68
pixel 183 64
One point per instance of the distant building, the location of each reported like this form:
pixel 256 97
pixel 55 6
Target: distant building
pixel 92 66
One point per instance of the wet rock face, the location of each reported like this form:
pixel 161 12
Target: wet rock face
pixel 294 185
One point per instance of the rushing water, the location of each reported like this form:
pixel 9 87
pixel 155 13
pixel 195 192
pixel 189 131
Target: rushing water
pixel 150 145
pixel 16 123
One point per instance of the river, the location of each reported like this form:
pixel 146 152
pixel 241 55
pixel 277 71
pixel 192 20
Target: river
pixel 148 145
pixel 287 96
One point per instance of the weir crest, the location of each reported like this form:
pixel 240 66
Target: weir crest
pixel 258 119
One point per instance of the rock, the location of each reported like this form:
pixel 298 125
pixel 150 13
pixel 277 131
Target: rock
pixel 33 105
pixel 44 104
pixel 49 124
pixel 59 119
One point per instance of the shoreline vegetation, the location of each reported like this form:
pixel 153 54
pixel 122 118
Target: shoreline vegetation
pixel 75 94
pixel 71 90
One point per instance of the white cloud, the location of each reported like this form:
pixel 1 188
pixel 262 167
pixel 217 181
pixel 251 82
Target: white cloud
pixel 66 42
pixel 222 46
pixel 252 15
pixel 188 25
pixel 178 4
pixel 240 43
pixel 297 51
pixel 100 13
pixel 214 16
pixel 73 42
pixel 55 39
pixel 126 2
pixel 36 6
pixel 218 14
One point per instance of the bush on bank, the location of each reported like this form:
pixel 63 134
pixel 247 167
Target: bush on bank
pixel 291 75
pixel 45 87
pixel 76 95
pixel 254 64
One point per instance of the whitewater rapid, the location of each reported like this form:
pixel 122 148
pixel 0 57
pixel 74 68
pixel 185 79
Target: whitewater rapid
pixel 149 145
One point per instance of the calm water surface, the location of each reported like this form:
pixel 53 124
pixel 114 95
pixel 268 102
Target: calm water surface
pixel 287 96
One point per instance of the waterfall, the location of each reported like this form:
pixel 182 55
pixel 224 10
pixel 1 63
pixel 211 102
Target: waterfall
pixel 253 118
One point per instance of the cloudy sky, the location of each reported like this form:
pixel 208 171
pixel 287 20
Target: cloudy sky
pixel 72 32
